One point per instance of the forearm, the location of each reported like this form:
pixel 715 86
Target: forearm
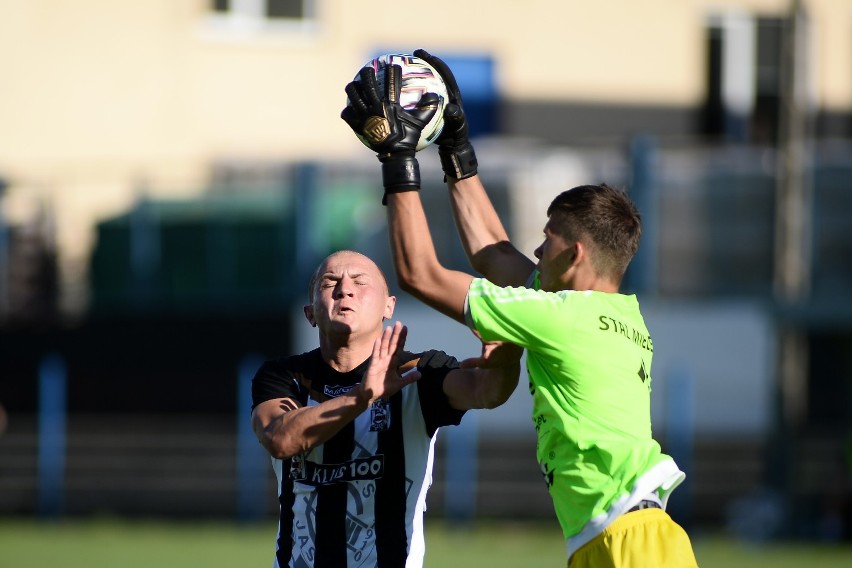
pixel 418 269
pixel 301 429
pixel 471 388
pixel 477 222
pixel 497 385
pixel 483 235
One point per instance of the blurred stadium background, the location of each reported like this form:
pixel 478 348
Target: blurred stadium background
pixel 173 169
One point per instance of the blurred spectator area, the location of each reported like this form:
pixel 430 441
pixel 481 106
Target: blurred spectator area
pixel 182 291
pixel 229 252
pixel 28 270
pixel 717 224
pixel 249 245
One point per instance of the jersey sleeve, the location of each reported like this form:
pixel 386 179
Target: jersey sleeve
pixel 434 367
pixel 274 380
pixel 520 315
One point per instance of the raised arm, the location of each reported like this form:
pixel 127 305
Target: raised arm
pixel 483 237
pixel 418 270
pixel 392 132
pixel 482 234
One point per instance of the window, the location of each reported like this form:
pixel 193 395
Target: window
pixel 293 9
pixel 250 16
pixel 768 65
pixel 743 70
pixel 272 9
pixel 730 70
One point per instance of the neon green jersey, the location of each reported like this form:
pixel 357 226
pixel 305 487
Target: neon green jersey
pixel 589 364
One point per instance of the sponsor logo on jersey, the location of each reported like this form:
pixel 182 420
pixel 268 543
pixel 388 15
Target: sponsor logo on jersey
pixel 358 469
pixel 611 324
pixel 336 390
pixel 379 415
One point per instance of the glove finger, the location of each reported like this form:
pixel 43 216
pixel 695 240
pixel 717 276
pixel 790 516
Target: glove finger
pixel 393 83
pixel 426 107
pixel 356 97
pixel 352 118
pixel 444 71
pixel 453 115
pixel 370 89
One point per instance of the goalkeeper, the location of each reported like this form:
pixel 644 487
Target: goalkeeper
pixel 588 350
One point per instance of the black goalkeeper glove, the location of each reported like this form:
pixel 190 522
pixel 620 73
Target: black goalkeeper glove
pixel 457 156
pixel 389 130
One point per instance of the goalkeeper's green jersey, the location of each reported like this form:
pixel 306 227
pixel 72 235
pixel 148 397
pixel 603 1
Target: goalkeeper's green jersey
pixel 589 365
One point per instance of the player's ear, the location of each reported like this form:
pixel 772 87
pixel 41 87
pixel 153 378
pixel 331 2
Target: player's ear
pixel 309 315
pixel 579 253
pixel 389 306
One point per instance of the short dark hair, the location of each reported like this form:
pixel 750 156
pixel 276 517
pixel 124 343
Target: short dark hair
pixel 607 218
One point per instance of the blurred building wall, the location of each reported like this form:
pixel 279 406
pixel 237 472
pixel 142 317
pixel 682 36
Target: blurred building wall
pixel 106 100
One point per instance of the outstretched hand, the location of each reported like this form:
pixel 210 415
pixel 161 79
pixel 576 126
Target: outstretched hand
pixel 382 379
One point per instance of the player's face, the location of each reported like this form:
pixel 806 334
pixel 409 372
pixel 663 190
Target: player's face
pixel 351 295
pixel 555 259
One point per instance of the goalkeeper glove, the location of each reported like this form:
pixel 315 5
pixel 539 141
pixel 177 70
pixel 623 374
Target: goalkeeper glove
pixel 457 156
pixel 388 129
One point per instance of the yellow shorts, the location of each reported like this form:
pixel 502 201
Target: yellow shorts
pixel 641 539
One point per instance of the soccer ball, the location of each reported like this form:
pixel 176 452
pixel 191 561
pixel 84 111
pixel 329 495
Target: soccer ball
pixel 418 78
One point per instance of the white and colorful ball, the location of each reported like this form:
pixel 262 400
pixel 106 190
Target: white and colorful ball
pixel 418 78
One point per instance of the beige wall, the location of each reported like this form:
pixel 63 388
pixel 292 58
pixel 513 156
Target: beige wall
pixel 145 84
pixel 142 84
pixel 100 97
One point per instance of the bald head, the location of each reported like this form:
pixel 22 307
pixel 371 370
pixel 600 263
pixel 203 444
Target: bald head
pixel 345 258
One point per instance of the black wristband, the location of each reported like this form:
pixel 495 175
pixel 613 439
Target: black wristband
pixel 459 162
pixel 399 173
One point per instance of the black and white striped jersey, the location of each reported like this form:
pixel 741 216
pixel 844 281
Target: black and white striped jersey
pixel 358 499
